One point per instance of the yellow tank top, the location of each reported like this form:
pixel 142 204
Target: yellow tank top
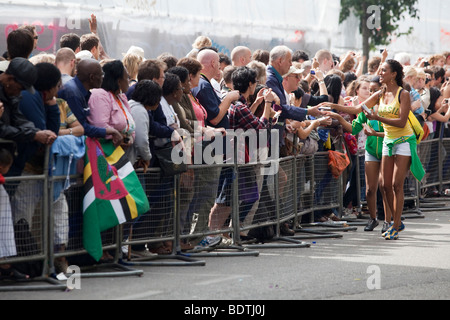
pixel 392 111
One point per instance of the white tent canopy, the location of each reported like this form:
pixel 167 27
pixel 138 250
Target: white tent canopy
pixel 172 25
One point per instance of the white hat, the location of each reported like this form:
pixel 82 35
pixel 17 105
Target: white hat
pixel 135 50
pixel 294 70
pixel 84 54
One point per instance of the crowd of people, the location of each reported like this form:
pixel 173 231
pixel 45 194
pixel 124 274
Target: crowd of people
pixel 144 105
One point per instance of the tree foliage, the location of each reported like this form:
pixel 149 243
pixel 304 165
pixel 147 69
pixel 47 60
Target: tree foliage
pixel 392 12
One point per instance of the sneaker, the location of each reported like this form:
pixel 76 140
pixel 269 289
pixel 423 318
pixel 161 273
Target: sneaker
pixel 225 243
pixel 285 230
pixel 391 234
pixel 208 241
pixel 373 223
pixel 402 227
pixel 386 226
pixel 143 253
pixel 347 212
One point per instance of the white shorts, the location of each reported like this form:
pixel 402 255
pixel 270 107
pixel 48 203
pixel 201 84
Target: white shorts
pixel 401 149
pixel 371 158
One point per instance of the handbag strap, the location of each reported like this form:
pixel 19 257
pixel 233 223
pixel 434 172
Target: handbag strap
pixel 119 102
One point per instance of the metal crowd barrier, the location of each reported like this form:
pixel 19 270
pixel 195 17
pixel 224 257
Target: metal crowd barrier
pixel 28 196
pixel 180 212
pixel 435 157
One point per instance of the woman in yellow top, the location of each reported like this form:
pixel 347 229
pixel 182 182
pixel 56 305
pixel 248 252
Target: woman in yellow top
pixel 400 149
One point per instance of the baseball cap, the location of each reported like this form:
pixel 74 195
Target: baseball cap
pixel 84 54
pixel 24 73
pixel 293 70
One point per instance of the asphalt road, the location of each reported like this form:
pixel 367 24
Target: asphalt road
pixel 352 265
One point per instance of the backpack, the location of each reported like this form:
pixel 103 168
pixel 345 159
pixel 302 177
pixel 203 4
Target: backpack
pixel 417 127
pixel 414 123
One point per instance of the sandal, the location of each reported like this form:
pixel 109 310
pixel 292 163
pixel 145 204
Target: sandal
pixel 333 217
pixel 160 250
pixel 106 258
pixel 12 274
pixel 168 245
pixel 186 246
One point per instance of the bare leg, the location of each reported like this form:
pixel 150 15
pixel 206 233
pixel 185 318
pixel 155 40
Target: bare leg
pixel 218 216
pixel 394 170
pixel 401 168
pixel 387 171
pixel 387 208
pixel 372 178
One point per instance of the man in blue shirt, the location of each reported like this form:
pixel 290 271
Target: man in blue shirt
pixel 280 63
pixel 208 185
pixel 217 110
pixel 77 93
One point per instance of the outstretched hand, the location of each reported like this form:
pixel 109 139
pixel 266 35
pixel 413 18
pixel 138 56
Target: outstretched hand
pixel 315 111
pixel 93 24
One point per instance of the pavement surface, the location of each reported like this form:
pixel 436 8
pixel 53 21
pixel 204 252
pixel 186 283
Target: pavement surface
pixel 351 265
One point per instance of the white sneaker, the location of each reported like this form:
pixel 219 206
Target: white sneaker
pixel 347 212
pixel 208 241
pixel 143 253
pixel 225 243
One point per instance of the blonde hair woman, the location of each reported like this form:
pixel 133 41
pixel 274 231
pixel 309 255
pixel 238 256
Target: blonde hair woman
pixel 199 43
pixel 132 61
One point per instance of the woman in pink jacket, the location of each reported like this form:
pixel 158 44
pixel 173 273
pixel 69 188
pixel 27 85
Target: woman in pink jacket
pixel 109 105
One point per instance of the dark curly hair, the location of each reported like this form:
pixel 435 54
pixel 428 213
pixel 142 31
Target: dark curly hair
pixel 171 84
pixel 242 77
pixel 114 71
pixel 147 93
pixel 181 72
pixel 397 67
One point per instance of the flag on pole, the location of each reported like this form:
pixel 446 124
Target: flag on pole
pixel 113 193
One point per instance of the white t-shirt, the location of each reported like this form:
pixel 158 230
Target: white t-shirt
pixel 171 119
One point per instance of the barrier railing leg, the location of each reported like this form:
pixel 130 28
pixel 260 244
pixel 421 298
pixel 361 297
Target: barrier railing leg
pixel 317 196
pixel 177 258
pixel 279 241
pixel 236 248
